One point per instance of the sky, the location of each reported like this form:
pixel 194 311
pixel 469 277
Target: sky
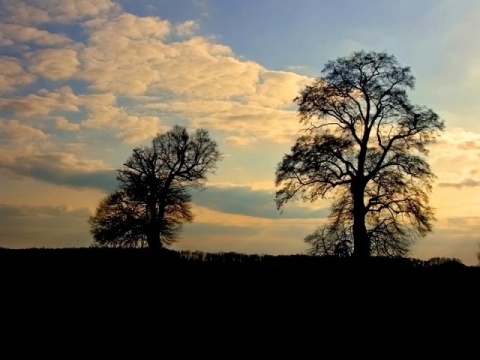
pixel 83 82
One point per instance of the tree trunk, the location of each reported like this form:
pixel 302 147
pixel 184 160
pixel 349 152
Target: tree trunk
pixel 361 242
pixel 153 231
pixel 153 238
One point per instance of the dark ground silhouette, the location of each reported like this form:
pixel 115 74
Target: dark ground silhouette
pixel 238 299
pixel 101 268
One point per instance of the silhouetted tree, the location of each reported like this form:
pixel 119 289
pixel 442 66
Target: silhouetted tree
pixel 121 221
pixel 365 148
pixel 444 261
pixel 153 201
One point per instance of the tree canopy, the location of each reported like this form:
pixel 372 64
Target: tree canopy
pixel 364 148
pixel 153 201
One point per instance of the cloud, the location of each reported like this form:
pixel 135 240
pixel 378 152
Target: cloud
pixel 455 156
pixel 24 210
pixel 246 121
pixel 193 108
pixel 51 226
pixel 130 128
pixel 43 104
pixel 54 64
pixel 128 26
pixel 186 28
pixel 11 33
pixel 23 12
pixel 97 111
pixel 61 169
pixel 280 126
pixel 277 89
pixel 62 11
pixel 202 70
pixel 69 10
pixel 452 238
pixel 136 129
pixel 239 141
pixel 63 124
pixel 257 203
pixel 129 55
pixel 461 184
pixel 12 74
pixel 12 131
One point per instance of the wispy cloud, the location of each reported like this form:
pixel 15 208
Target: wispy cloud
pixel 243 200
pixel 61 169
pixel 460 184
pixel 186 28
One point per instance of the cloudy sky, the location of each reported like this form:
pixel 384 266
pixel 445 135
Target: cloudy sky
pixel 82 82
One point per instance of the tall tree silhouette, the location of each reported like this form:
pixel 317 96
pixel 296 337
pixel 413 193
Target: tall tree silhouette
pixel 365 147
pixel 152 201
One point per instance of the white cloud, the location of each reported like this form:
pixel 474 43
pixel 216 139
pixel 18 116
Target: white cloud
pixel 12 74
pixel 277 89
pixel 101 112
pixel 115 63
pixel 63 99
pixel 41 11
pixel 255 122
pixel 11 32
pixel 69 10
pixel 135 129
pixel 455 155
pixel 200 69
pixel 54 64
pixel 186 28
pixel 130 128
pixel 23 12
pixel 63 124
pixel 243 122
pixel 128 26
pixel 14 131
pixel 193 108
pixel 128 56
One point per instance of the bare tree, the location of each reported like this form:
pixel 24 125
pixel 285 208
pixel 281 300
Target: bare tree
pixel 365 146
pixel 153 201
pixel 121 221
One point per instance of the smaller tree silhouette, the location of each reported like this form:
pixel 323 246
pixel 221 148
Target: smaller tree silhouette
pixel 153 201
pixel 120 221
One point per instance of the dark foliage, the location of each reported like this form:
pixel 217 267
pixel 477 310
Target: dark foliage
pixel 153 202
pixel 365 147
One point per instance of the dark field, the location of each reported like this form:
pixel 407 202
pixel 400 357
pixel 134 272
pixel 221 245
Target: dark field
pixel 102 268
pixel 95 289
